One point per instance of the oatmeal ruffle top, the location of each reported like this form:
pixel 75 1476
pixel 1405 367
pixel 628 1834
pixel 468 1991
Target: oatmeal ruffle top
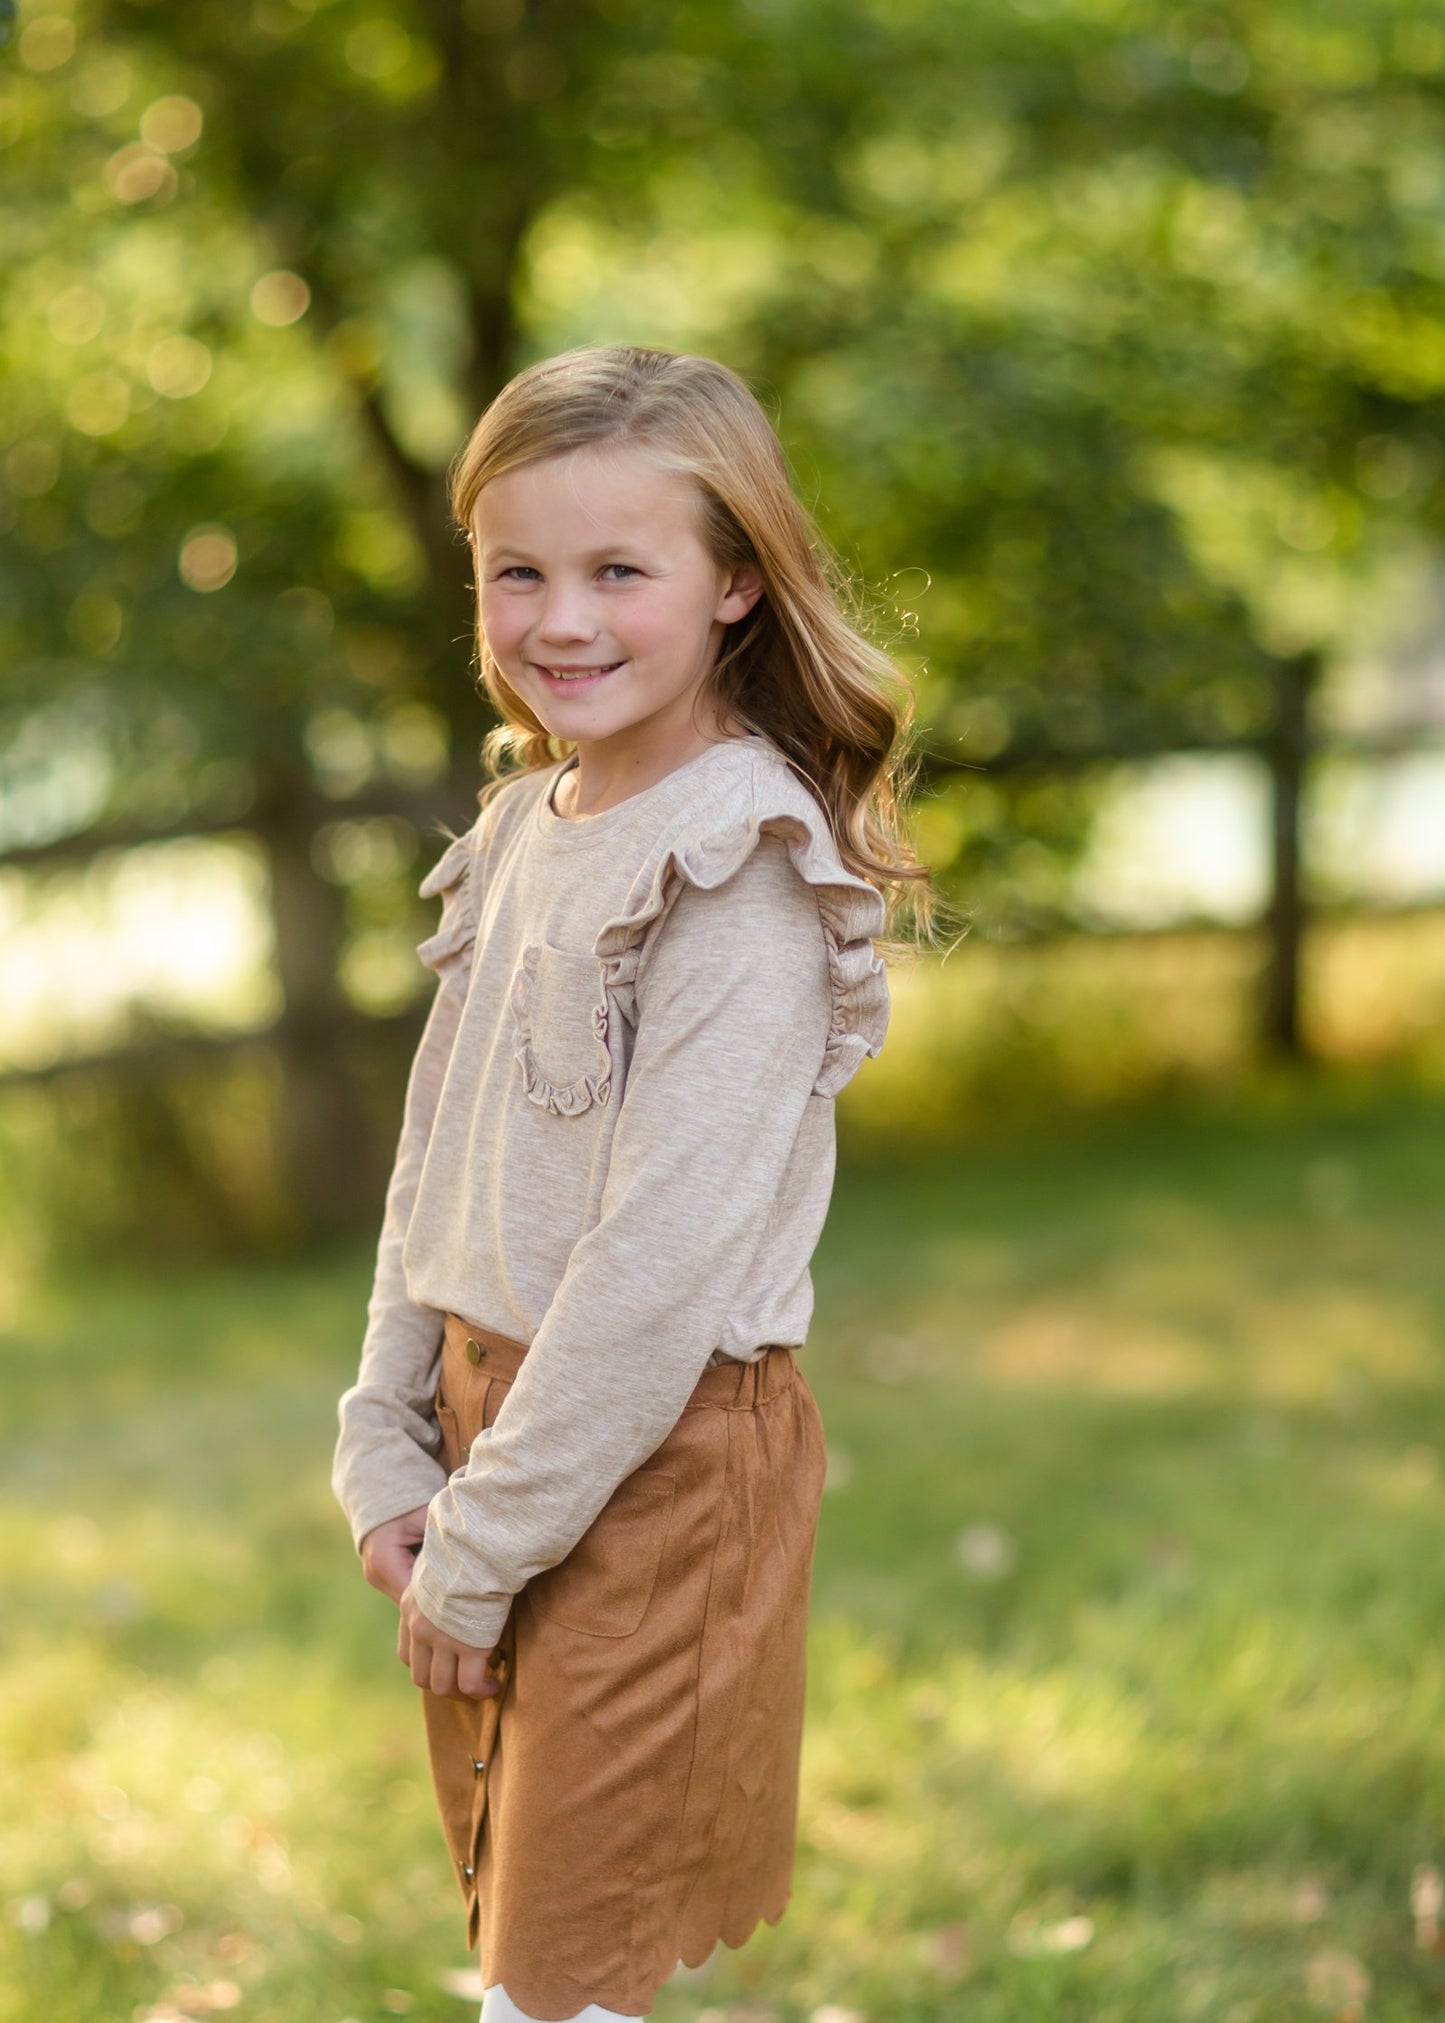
pixel 617 1146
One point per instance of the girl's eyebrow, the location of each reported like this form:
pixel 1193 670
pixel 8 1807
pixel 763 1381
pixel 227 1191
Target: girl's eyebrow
pixel 613 552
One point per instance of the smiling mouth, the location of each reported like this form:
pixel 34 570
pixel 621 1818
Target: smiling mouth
pixel 579 673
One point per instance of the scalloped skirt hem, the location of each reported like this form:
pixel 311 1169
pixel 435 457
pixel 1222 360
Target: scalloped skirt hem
pixel 536 2001
pixel 734 1936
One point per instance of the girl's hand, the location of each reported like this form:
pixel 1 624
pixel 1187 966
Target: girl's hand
pixel 455 1670
pixel 388 1551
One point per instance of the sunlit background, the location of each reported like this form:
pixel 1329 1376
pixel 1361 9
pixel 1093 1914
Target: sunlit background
pixel 1107 340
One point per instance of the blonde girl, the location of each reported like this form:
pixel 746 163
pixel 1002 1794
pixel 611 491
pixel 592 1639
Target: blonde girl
pixel 580 1453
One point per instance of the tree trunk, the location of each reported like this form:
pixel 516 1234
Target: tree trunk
pixel 1286 918
pixel 325 1150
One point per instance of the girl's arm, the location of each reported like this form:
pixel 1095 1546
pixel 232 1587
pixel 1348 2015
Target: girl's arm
pixel 383 1465
pixel 734 1008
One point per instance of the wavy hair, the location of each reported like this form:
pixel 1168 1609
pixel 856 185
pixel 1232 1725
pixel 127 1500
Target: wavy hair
pixel 798 666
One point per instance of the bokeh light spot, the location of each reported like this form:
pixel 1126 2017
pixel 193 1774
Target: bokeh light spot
pixel 208 558
pixel 171 124
pixel 76 314
pixel 47 42
pixel 416 744
pixel 32 467
pixel 279 298
pixel 98 403
pixel 178 366
pixel 134 174
pixel 102 85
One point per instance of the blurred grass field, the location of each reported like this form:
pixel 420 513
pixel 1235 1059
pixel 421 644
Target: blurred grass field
pixel 1127 1688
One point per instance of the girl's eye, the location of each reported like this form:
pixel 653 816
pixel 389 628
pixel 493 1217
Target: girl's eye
pixel 626 568
pixel 519 569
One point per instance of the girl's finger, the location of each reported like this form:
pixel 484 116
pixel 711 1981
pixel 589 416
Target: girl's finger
pixel 474 1681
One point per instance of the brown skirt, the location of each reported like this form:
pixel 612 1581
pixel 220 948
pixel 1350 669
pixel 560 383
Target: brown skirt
pixel 631 1795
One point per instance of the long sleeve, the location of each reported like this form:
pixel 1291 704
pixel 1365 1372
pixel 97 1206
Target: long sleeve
pixel 384 1463
pixel 734 1013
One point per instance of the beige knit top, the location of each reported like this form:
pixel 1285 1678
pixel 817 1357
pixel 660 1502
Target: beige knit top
pixel 617 1146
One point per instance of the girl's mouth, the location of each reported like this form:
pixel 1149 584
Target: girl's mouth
pixel 579 677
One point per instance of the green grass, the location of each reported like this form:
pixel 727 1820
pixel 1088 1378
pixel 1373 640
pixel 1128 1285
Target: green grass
pixel 1127 1686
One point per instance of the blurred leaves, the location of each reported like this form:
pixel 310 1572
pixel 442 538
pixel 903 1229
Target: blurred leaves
pixel 1107 343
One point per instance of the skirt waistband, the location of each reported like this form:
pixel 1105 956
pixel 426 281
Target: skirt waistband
pixel 733 1385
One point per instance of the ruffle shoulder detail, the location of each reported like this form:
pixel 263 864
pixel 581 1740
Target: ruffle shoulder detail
pixel 449 950
pixel 458 875
pixel 723 835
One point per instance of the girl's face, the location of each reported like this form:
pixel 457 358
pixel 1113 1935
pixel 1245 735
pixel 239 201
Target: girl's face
pixel 599 601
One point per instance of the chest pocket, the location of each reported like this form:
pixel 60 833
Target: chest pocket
pixel 560 1017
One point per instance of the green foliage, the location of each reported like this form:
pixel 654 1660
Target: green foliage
pixel 1125 1681
pixel 1105 338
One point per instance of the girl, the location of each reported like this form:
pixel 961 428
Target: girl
pixel 579 1453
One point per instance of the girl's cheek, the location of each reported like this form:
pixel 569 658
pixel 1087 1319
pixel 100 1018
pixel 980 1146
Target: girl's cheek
pixel 641 622
pixel 503 627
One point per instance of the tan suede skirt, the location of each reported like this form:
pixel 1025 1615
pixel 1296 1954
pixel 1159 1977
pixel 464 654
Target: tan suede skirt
pixel 631 1795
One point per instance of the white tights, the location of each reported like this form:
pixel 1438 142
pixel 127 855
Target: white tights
pixel 498 2007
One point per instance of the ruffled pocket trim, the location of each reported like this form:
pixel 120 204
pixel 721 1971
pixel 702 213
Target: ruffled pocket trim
pixel 449 950
pixel 851 909
pixel 565 1099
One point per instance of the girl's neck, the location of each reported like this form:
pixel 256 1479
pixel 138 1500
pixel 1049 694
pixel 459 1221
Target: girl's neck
pixel 597 780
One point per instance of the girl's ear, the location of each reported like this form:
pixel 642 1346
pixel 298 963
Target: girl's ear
pixel 744 588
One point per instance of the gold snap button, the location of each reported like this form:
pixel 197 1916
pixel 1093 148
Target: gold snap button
pixel 478 1766
pixel 467 1870
pixel 475 1351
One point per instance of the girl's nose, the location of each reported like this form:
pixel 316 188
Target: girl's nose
pixel 565 616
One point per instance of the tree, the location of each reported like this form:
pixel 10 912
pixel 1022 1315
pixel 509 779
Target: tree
pixel 1119 331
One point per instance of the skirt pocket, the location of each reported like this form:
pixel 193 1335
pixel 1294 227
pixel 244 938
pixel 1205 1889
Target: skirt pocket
pixel 603 1586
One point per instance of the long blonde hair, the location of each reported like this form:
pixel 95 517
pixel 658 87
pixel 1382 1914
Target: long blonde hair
pixel 798 666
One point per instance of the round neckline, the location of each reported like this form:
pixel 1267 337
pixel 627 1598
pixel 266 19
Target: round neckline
pixel 566 828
